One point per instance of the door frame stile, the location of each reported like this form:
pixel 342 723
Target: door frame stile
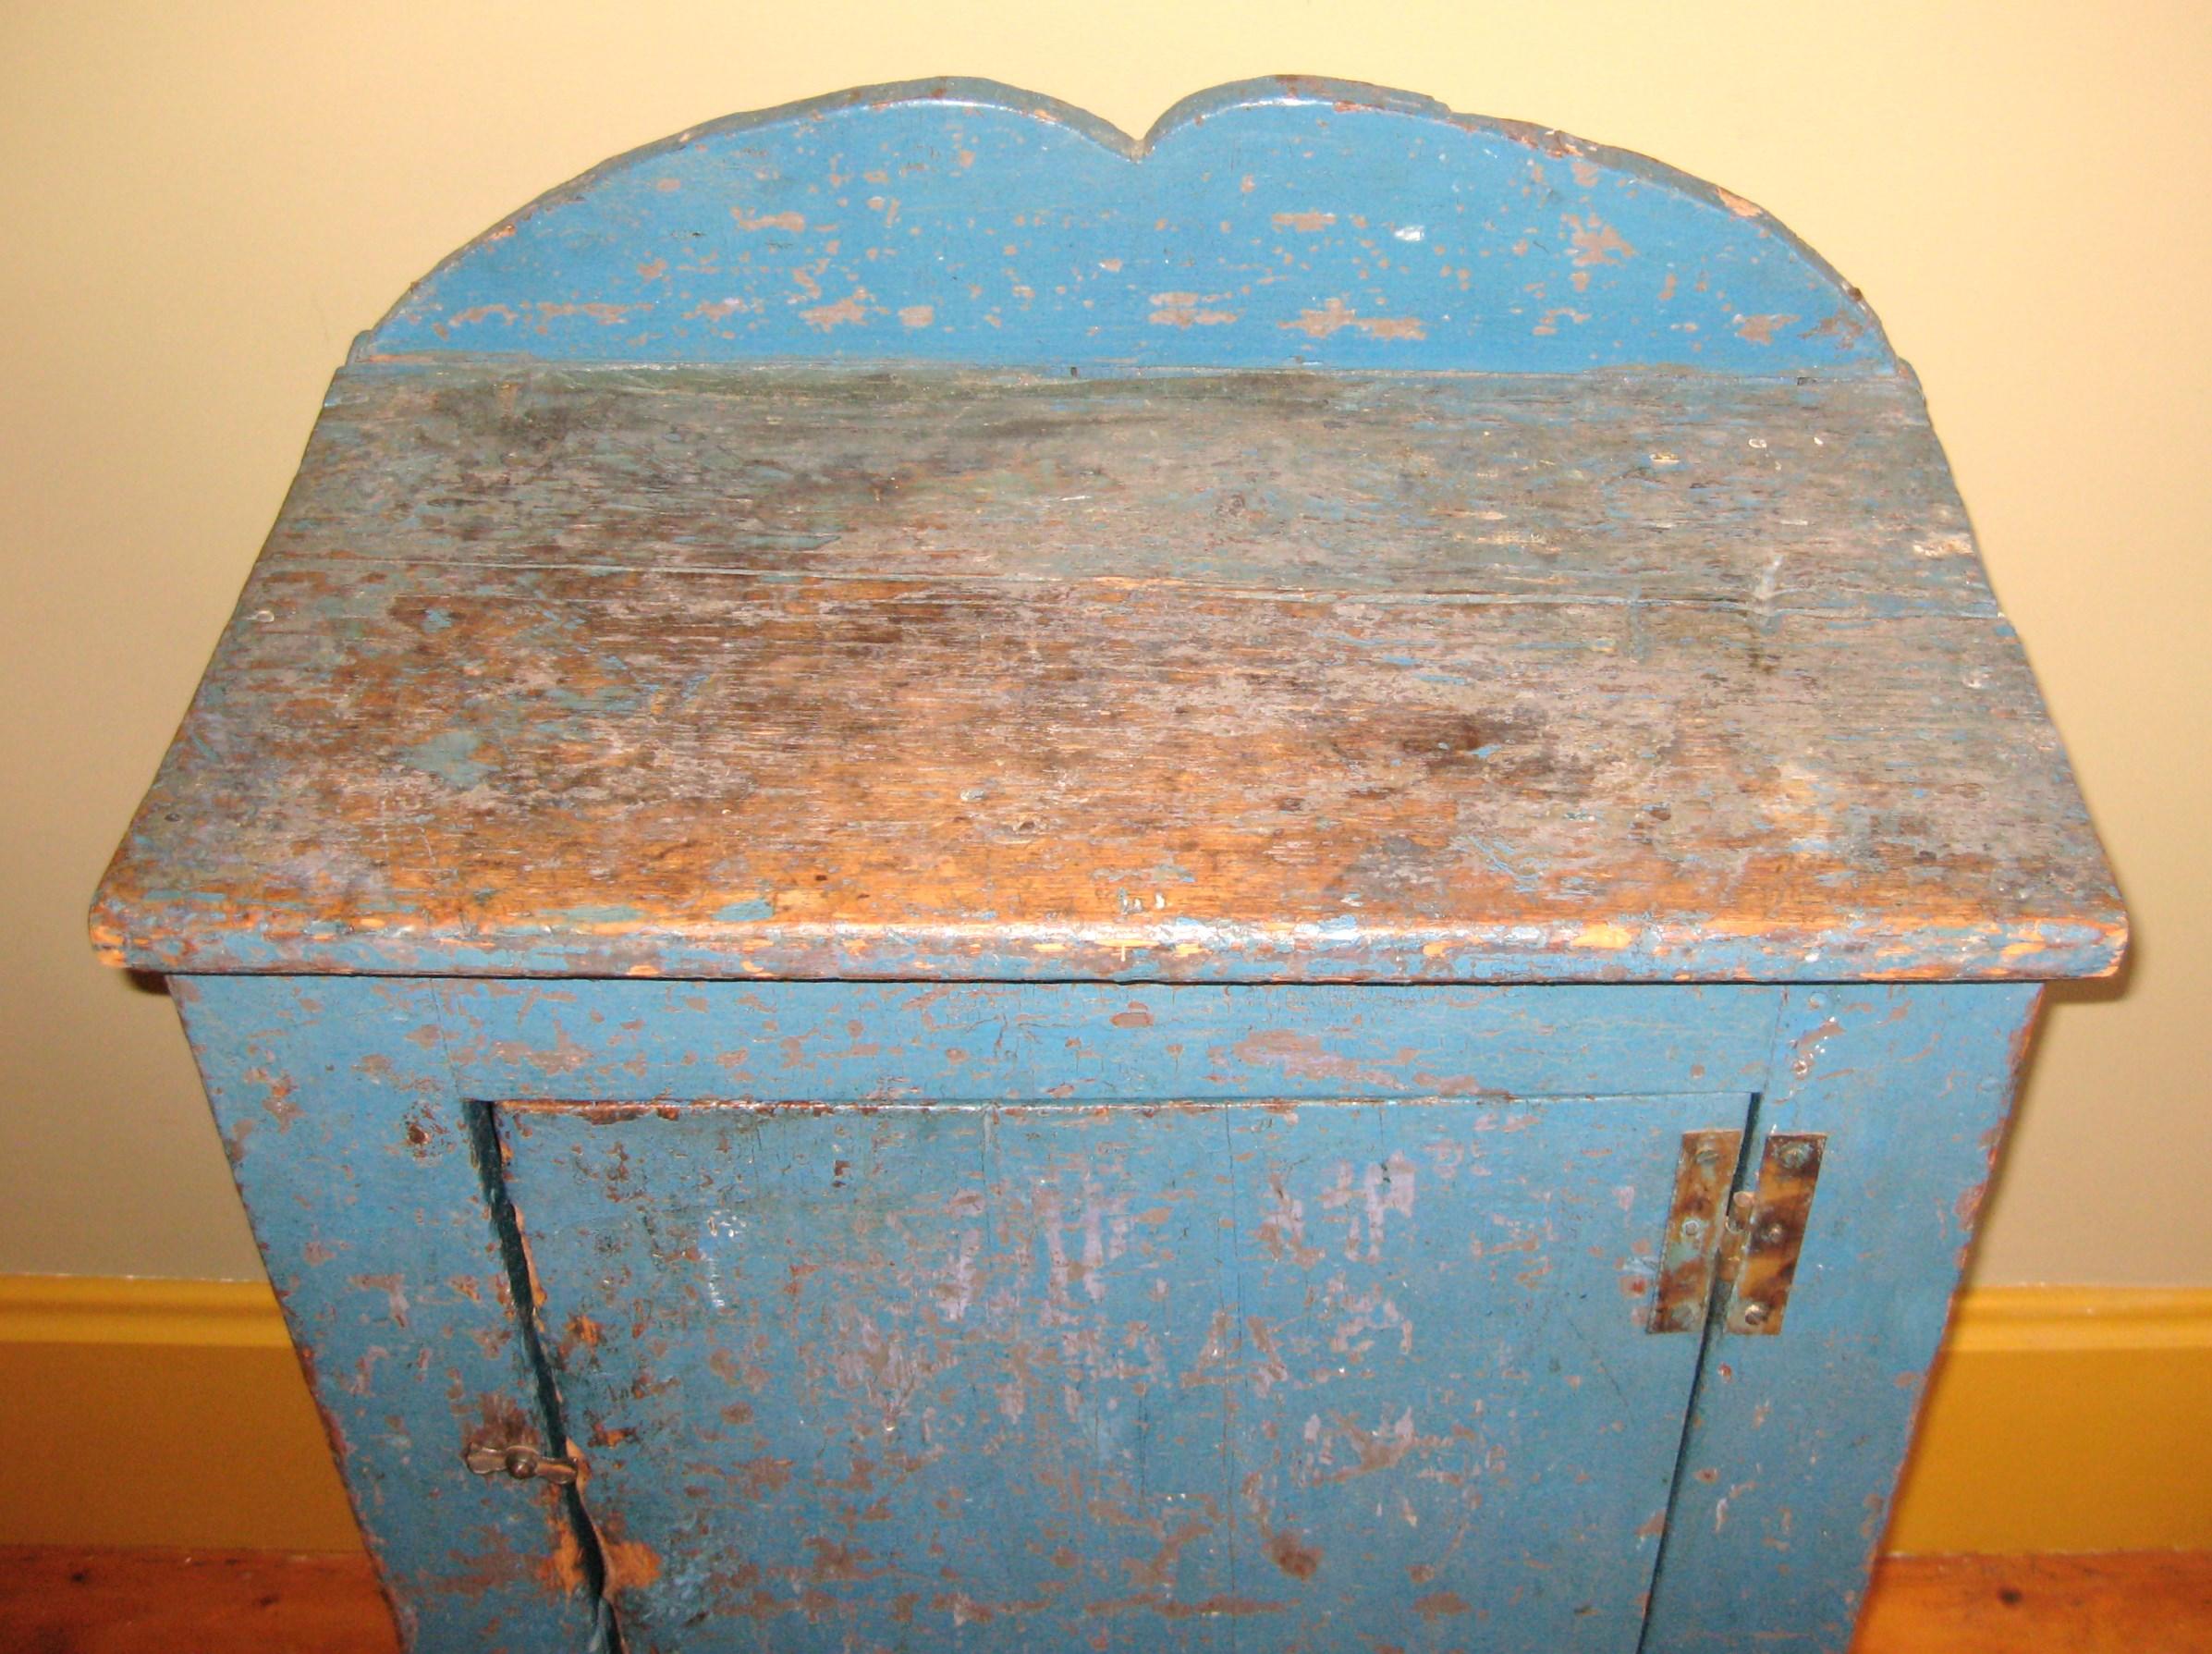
pixel 489 1146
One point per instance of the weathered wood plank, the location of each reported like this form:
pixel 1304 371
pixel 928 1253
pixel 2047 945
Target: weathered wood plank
pixel 1279 222
pixel 1787 495
pixel 518 689
pixel 75 1599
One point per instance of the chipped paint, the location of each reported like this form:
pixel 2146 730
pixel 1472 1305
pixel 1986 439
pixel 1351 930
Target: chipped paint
pixel 1594 241
pixel 1436 628
pixel 1796 1439
pixel 736 209
pixel 1335 315
pixel 1302 1301
pixel 1137 1376
pixel 1041 1252
pixel 790 222
pixel 409 1341
pixel 1759 330
pixel 851 309
pixel 1187 310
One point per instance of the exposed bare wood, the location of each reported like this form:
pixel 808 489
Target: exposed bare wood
pixel 734 671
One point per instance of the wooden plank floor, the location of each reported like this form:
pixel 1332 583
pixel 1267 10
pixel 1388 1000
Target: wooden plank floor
pixel 2140 1602
pixel 257 1602
pixel 57 1601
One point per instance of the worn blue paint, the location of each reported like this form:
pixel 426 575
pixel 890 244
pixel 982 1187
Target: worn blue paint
pixel 1795 1441
pixel 851 1042
pixel 1225 1375
pixel 340 1099
pixel 1279 223
pixel 354 1156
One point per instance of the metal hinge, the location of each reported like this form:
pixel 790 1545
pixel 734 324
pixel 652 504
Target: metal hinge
pixel 1744 1245
pixel 524 1464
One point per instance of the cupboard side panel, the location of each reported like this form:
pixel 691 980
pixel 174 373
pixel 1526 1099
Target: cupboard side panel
pixel 1795 1441
pixel 354 1157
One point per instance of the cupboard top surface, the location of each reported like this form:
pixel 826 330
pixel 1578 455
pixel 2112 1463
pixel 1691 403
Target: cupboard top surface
pixel 932 671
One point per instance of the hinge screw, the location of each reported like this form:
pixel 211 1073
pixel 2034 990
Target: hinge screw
pixel 1795 1156
pixel 524 1464
pixel 1755 1315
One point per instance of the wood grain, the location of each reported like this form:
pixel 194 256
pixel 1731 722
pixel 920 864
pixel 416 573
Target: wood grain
pixel 1293 677
pixel 2145 1602
pixel 64 1601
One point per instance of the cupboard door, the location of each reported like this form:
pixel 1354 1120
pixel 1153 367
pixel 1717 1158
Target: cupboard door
pixel 1191 1376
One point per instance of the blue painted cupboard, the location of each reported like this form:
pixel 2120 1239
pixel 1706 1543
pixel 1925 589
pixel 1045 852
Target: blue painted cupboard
pixel 958 885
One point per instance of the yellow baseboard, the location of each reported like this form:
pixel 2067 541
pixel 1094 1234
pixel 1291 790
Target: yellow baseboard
pixel 172 1412
pixel 159 1413
pixel 2066 1418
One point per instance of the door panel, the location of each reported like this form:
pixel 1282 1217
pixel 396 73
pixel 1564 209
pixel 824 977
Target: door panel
pixel 1133 1377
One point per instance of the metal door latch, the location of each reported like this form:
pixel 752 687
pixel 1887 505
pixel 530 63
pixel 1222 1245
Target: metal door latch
pixel 1743 1244
pixel 521 1463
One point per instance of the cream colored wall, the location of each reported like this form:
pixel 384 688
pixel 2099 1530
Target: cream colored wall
pixel 201 204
